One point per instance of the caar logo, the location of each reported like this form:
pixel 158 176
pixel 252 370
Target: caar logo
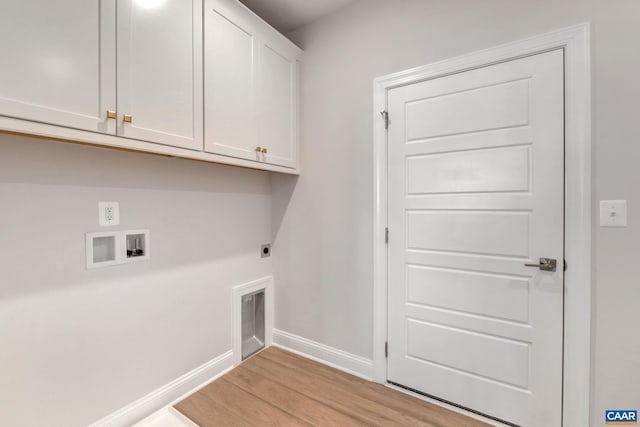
pixel 621 417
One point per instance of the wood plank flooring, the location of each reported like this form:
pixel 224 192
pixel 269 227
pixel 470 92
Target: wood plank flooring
pixel 279 388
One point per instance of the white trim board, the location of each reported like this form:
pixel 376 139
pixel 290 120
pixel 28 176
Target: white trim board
pixel 347 362
pixel 575 41
pixel 170 393
pixel 10 125
pixel 237 292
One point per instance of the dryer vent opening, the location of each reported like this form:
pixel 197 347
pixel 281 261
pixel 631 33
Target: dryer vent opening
pixel 253 323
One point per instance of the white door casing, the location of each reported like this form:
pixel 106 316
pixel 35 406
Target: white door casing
pixel 63 69
pixel 160 72
pixel 575 43
pixel 475 191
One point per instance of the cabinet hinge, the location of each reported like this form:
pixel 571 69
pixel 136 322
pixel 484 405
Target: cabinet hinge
pixel 564 266
pixel 386 349
pixel 386 235
pixel 385 117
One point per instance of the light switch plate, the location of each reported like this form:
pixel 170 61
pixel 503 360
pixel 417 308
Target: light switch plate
pixel 108 213
pixel 613 213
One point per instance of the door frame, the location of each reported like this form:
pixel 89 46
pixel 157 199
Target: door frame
pixel 575 41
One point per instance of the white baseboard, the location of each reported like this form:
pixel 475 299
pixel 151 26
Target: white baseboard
pixel 347 362
pixel 169 393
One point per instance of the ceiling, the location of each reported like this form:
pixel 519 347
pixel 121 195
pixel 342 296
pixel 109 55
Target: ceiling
pixel 288 15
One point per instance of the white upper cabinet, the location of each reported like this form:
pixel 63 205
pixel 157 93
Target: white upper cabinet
pixel 278 88
pixel 58 62
pixel 230 80
pixel 160 71
pixel 200 79
pixel 251 86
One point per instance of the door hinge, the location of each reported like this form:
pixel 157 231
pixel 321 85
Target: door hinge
pixel 386 349
pixel 386 235
pixel 385 117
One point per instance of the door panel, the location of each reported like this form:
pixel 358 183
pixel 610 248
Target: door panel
pixel 230 82
pixel 493 295
pixel 278 105
pixel 475 191
pixel 492 170
pixel 486 233
pixel 160 71
pixel 59 62
pixel 493 357
pixel 467 110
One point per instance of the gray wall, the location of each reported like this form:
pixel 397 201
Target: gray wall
pixel 324 223
pixel 77 344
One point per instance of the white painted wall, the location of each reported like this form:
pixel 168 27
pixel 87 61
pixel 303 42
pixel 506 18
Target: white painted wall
pixel 323 222
pixel 76 345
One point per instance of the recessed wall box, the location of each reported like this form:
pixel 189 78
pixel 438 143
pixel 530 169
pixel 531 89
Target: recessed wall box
pixel 136 245
pixel 102 249
pixel 252 317
pixel 253 323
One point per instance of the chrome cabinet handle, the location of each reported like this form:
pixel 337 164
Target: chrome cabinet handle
pixel 546 264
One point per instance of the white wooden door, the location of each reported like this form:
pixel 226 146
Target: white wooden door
pixel 59 62
pixel 160 71
pixel 475 192
pixel 230 80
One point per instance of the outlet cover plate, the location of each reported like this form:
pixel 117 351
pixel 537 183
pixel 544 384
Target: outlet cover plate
pixel 108 214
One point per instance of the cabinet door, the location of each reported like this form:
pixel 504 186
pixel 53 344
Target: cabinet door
pixel 230 80
pixel 58 62
pixel 278 102
pixel 160 71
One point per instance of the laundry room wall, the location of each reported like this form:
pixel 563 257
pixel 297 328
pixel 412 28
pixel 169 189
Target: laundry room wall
pixel 323 222
pixel 77 344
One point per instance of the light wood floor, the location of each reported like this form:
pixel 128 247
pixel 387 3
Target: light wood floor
pixel 276 387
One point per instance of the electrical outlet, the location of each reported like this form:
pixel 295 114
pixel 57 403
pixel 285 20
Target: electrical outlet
pixel 108 213
pixel 265 250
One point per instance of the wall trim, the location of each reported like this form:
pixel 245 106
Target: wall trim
pixel 347 362
pixel 170 393
pixel 575 41
pixel 12 126
pixel 237 292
